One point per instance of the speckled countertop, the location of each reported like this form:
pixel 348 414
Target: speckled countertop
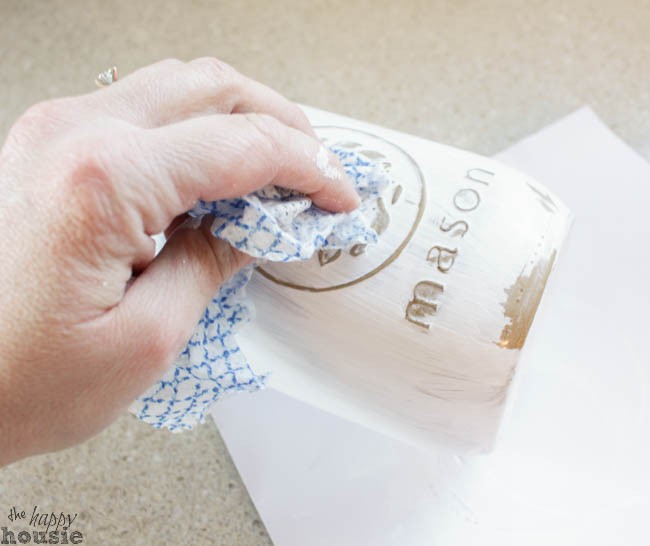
pixel 478 75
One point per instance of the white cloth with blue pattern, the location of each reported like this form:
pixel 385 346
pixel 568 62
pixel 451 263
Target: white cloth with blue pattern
pixel 271 224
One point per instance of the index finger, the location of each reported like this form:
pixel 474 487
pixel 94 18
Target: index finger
pixel 166 170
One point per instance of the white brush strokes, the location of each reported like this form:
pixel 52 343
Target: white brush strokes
pixel 571 465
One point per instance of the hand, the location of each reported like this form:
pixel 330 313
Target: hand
pixel 84 183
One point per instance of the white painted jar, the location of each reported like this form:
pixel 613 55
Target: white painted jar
pixel 419 335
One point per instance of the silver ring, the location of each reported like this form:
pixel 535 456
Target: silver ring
pixel 106 78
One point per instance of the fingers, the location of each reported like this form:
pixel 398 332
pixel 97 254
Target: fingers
pixel 159 311
pixel 171 90
pixel 164 171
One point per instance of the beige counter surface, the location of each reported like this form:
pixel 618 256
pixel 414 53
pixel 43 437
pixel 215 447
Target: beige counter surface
pixel 478 75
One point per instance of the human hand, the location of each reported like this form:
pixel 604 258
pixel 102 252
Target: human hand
pixel 84 183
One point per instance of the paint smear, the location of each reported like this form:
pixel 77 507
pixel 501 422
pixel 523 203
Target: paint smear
pixel 523 299
pixel 324 165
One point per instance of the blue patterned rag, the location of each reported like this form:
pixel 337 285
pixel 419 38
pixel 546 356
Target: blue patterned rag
pixel 272 224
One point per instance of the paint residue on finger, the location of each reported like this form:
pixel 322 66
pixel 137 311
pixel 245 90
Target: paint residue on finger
pixel 325 167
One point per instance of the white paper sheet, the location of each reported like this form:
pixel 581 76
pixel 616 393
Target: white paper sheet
pixel 572 465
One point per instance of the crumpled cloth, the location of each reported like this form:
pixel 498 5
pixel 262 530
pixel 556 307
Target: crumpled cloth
pixel 272 224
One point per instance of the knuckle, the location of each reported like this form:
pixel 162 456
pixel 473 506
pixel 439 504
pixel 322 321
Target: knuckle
pixel 213 65
pixel 40 110
pixel 84 161
pixel 170 64
pixel 215 69
pixel 45 124
pixel 42 116
pixel 263 126
pixel 44 109
pixel 265 135
pixel 150 75
pixel 300 118
pixel 86 182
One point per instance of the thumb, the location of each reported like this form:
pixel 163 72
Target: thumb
pixel 159 311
